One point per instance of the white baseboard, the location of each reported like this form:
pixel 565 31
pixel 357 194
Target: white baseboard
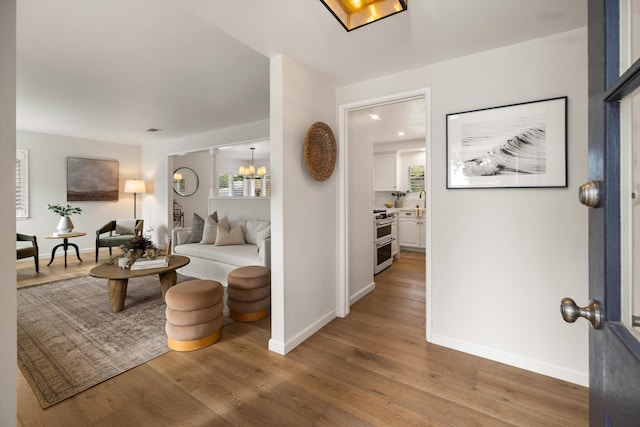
pixel 565 374
pixel 284 348
pixel 276 346
pixel 364 291
pixel 412 249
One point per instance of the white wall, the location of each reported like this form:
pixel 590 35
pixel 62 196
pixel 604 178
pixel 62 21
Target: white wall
pixel 503 258
pixel 198 202
pixel 360 134
pixel 48 184
pixel 303 210
pixel 8 361
pixel 237 209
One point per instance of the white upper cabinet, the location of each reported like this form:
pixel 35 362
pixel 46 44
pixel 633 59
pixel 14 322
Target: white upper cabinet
pixel 384 172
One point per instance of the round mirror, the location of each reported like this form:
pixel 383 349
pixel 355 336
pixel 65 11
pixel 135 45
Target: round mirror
pixel 185 181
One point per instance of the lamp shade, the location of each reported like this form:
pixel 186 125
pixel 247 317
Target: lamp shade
pixel 136 186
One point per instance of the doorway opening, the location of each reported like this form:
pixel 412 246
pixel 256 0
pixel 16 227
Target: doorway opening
pixel 357 197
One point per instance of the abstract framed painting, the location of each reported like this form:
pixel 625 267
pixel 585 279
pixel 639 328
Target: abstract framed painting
pixel 92 180
pixel 512 146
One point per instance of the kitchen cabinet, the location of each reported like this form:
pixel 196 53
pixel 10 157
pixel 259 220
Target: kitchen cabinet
pixel 384 172
pixel 412 230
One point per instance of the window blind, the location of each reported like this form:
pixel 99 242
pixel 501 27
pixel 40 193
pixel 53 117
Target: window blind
pixel 416 178
pixel 22 184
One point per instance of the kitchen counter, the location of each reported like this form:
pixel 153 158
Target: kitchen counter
pixel 403 209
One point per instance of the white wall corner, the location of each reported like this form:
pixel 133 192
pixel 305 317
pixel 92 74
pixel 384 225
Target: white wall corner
pixel 277 346
pixel 362 292
pixel 8 301
pixel 296 340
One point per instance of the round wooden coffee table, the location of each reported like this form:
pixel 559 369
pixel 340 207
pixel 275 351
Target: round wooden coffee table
pixel 119 278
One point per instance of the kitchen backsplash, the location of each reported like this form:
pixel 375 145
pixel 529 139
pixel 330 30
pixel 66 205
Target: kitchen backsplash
pixel 410 200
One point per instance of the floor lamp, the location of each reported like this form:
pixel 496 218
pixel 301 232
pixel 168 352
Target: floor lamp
pixel 134 186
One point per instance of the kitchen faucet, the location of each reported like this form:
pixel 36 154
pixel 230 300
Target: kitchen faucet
pixel 425 198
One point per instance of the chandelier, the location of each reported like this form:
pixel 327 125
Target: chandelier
pixel 250 171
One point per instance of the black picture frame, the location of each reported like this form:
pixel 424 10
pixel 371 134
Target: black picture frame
pixel 511 146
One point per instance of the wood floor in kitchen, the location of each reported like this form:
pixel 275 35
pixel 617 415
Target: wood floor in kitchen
pixel 371 368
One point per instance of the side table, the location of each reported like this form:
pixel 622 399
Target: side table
pixel 65 245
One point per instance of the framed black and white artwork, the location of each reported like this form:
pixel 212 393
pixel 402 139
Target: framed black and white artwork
pixel 519 145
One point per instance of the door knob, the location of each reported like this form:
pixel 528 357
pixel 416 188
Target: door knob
pixel 593 312
pixel 590 194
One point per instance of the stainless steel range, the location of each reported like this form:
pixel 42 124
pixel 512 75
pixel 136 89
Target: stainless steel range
pixel 382 240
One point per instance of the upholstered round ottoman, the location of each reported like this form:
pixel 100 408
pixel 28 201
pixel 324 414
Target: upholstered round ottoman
pixel 249 293
pixel 194 314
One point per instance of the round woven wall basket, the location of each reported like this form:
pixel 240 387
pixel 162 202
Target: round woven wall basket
pixel 320 151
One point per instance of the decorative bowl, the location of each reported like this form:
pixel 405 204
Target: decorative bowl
pixel 388 204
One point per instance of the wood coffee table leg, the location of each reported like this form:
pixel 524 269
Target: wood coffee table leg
pixel 167 280
pixel 117 293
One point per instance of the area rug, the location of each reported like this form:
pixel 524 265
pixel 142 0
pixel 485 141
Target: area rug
pixel 69 340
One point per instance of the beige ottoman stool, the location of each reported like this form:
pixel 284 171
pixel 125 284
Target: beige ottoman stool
pixel 249 293
pixel 194 314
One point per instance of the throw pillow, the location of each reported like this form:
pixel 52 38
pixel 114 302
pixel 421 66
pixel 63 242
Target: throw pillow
pixel 209 232
pixel 233 237
pixel 224 222
pixel 197 227
pixel 252 228
pixel 263 234
pixel 125 226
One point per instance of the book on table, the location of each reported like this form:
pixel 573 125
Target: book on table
pixel 143 263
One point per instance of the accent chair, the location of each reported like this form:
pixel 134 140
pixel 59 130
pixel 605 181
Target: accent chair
pixel 119 231
pixel 25 250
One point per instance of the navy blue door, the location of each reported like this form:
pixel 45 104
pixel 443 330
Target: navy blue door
pixel 614 123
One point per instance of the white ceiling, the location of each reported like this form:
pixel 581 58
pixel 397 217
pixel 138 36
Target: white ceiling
pixel 242 151
pixel 110 69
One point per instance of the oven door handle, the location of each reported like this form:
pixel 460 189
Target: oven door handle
pixel 386 242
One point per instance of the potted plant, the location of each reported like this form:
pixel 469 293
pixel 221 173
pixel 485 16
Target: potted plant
pixel 398 195
pixel 139 246
pixel 65 225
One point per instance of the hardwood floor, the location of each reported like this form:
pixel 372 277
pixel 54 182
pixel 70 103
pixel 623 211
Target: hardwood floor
pixel 27 276
pixel 371 368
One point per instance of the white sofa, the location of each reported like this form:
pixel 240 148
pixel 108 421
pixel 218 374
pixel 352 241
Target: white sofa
pixel 214 261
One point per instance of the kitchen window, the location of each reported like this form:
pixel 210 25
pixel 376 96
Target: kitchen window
pixel 229 185
pixel 415 178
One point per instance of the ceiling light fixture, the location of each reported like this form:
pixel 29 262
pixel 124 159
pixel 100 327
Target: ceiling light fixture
pixel 400 133
pixel 353 14
pixel 251 169
pixel 374 117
